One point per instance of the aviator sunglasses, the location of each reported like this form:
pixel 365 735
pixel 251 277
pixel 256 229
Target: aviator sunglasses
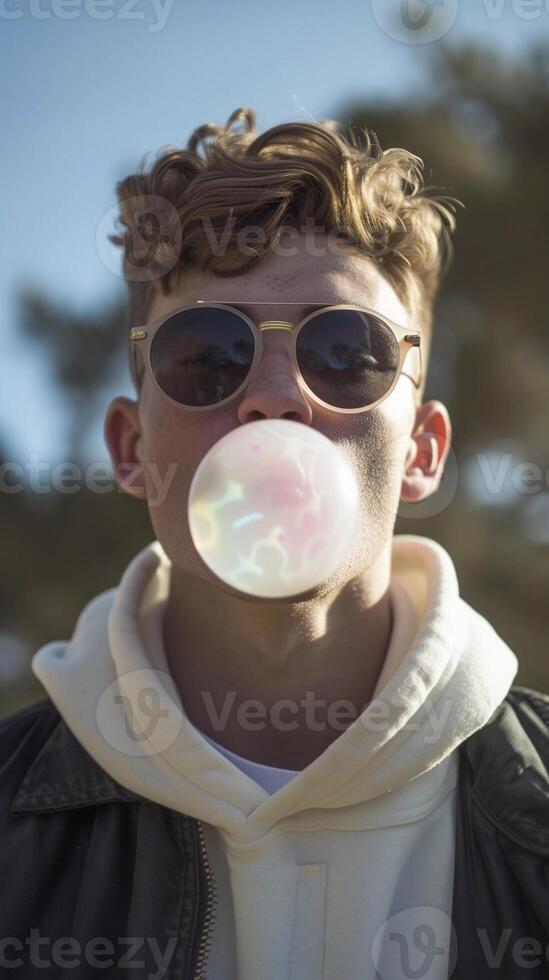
pixel 348 358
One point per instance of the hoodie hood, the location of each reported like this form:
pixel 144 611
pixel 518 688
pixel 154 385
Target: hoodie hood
pixel 445 672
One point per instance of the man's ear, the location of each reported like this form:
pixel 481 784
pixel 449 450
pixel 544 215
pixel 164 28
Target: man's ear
pixel 427 453
pixel 122 433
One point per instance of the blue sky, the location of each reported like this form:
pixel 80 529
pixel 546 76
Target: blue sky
pixel 85 98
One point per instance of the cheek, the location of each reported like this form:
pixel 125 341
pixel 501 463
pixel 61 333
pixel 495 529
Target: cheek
pixel 174 444
pixel 377 444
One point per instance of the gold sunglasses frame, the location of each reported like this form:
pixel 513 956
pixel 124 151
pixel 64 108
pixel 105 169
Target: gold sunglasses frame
pixel 145 335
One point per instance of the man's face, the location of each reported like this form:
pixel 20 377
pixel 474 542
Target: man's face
pixel 172 441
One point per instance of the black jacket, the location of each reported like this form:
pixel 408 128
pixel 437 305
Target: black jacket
pixel 96 881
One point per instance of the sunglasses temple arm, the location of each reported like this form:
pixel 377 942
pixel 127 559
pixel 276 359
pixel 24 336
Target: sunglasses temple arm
pixel 132 366
pixel 132 361
pixel 420 358
pixel 417 384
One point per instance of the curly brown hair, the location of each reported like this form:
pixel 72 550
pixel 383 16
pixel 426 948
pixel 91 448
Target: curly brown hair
pixel 289 175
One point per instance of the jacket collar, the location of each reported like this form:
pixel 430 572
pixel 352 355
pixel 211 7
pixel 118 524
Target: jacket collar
pixel 509 768
pixel 63 776
pixel 508 759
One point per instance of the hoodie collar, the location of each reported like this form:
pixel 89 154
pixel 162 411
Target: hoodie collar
pixel 455 655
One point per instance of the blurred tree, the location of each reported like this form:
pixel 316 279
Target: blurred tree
pixel 483 135
pixel 60 549
pixel 481 130
pixel 86 351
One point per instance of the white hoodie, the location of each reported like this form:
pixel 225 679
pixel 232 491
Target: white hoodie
pixel 347 868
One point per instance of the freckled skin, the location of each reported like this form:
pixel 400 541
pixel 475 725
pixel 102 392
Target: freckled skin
pixel 275 647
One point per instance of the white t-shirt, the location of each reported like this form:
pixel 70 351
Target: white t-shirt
pixel 268 777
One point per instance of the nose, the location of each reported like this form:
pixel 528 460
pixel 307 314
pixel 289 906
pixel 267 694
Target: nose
pixel 274 391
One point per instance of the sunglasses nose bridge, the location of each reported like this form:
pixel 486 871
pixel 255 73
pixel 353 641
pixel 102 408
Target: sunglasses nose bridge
pixel 275 325
pixel 284 325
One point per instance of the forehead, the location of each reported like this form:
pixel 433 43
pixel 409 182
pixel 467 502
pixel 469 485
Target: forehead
pixel 297 272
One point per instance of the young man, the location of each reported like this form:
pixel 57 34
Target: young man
pixel 339 785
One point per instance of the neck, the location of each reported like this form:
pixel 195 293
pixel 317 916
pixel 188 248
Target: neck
pixel 277 682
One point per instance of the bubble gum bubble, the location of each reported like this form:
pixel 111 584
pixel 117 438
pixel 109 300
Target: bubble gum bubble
pixel 273 508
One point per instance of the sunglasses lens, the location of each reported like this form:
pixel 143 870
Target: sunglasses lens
pixel 348 358
pixel 200 357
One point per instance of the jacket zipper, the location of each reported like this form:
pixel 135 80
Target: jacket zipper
pixel 211 904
